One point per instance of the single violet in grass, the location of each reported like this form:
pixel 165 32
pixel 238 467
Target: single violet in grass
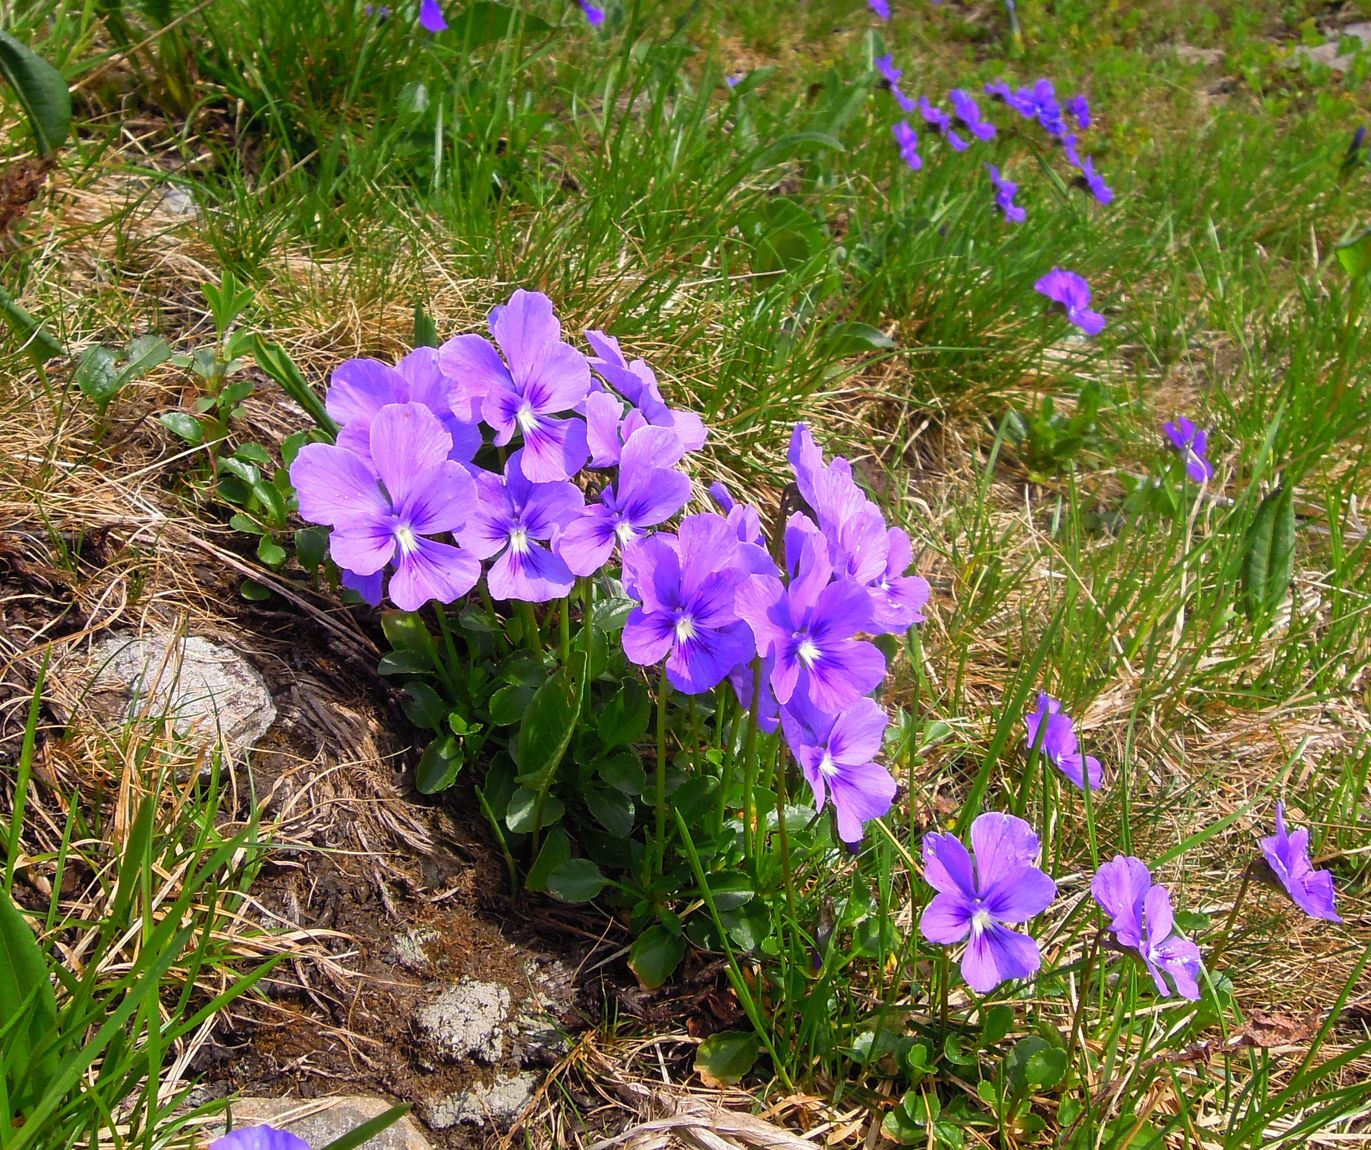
pixel 1005 191
pixel 637 383
pixel 979 898
pixel 837 755
pixel 1078 108
pixel 880 7
pixel 431 16
pixel 514 518
pixel 647 492
pixel 1287 857
pixel 685 584
pixel 965 109
pixel 1191 443
pixel 810 627
pixel 544 377
pixel 941 124
pixel 1072 294
pixel 1141 920
pixel 1093 182
pixel 1052 731
pixel 384 509
pixel 594 16
pixel 908 141
pixel 359 388
pixel 891 75
pixel 259 1138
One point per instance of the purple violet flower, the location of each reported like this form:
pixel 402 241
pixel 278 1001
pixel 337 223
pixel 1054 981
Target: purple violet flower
pixel 686 584
pixel 880 7
pixel 1072 294
pixel 545 376
pixel 513 518
pixel 941 123
pixel 1020 100
pixel 259 1138
pixel 897 599
pixel 1093 182
pixel 1141 920
pixel 1192 443
pixel 1059 744
pixel 1288 857
pixel 908 140
pixel 594 16
pixel 1005 191
pixel 1048 110
pixel 978 898
pixel 965 109
pixel 431 16
pixel 382 510
pixel 836 754
pixel 744 520
pixel 637 383
pixel 359 388
pixel 886 66
pixel 648 492
pixel 1078 107
pixel 810 626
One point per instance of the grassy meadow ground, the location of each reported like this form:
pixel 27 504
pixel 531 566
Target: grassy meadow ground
pixel 767 251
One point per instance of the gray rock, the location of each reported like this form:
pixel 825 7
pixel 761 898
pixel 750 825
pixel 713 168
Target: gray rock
pixel 467 1021
pixel 322 1120
pixel 1328 53
pixel 212 694
pixel 410 949
pixel 1187 54
pixel 497 1104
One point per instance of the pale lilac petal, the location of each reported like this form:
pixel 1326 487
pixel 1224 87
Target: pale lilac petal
pixel 706 537
pixel 1120 886
pixel 554 449
pixel 898 603
pixel 408 446
pixel 1180 958
pixel 550 506
pixel 690 429
pixel 365 548
pixel 1003 845
pixel 648 637
pixel 858 733
pixel 533 575
pixel 433 571
pixel 946 919
pixel 860 793
pixel 947 866
pixel 1018 896
pixel 587 543
pixel 527 331
pixel 335 487
pixel 997 955
pixel 760 602
pixel 1078 768
pixel 473 366
pixel 603 413
pixel 651 447
pixel 653 567
pixel 1161 920
pixel 652 496
pixel 359 388
pixel 443 504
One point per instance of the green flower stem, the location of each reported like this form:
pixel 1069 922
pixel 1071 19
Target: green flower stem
pixel 529 624
pixel 750 762
pixel 449 644
pixel 587 589
pixel 564 630
pixel 659 853
pixel 1232 920
pixel 1082 995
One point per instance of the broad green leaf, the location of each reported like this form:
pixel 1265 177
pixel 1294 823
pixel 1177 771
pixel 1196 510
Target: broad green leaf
pixel 508 704
pixel 425 329
pixel 1269 554
pixel 271 553
pixel 654 956
pixel 253 591
pixel 725 1058
pixel 523 817
pixel 42 92
pixel 546 728
pixel 556 851
pixel 98 376
pixel 28 1008
pixel 624 772
pixel 1355 255
pixel 407 631
pixel 996 1023
pixel 612 809
pixel 438 765
pixel 424 706
pixel 485 22
pixel 625 717
pixel 145 353
pixel 186 426
pixel 576 880
pixel 311 546
pixel 40 343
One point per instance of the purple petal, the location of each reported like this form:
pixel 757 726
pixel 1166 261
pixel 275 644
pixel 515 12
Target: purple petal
pixel 434 571
pixel 654 497
pixel 1078 768
pixel 408 445
pixel 842 609
pixel 1020 895
pixel 1003 845
pixel 651 447
pixel 996 955
pixel 555 449
pixel 653 568
pixel 365 548
pixel 1119 887
pixel 473 366
pixel 532 575
pixel 1180 958
pixel 551 374
pixel 603 413
pixel 861 792
pixel 843 673
pixel 443 503
pixel 946 919
pixel 335 487
pixel 947 866
pixel 367 586
pixel 259 1138
pixel 648 636
pixel 550 506
pixel 858 733
pixel 587 543
pixel 705 659
pixel 431 16
pixel 1090 322
pixel 359 388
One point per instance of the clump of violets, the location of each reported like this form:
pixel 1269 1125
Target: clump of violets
pixel 262 1137
pixel 1005 191
pixel 1287 858
pixel 979 898
pixel 1191 443
pixel 940 123
pixel 1051 730
pixel 964 107
pixel 891 74
pixel 1141 920
pixel 1071 294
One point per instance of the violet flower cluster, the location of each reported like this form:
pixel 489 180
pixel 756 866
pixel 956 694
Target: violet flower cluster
pixel 590 477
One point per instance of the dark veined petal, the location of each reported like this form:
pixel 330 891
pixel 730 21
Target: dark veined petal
pixel 441 504
pixel 586 543
pixel 648 636
pixel 1003 845
pixel 998 954
pixel 947 866
pixel 408 447
pixel 531 575
pixel 1019 895
pixel 861 792
pixel 432 571
pixel 946 919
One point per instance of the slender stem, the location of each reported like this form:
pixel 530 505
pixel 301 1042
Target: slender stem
pixel 785 847
pixel 1227 936
pixel 564 630
pixel 659 855
pixel 449 644
pixel 587 638
pixel 1079 1016
pixel 750 761
pixel 529 624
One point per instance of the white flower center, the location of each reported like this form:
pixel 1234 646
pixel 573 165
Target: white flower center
pixel 405 537
pixel 518 541
pixel 526 419
pixel 827 766
pixel 685 629
pixel 981 921
pixel 624 530
pixel 807 652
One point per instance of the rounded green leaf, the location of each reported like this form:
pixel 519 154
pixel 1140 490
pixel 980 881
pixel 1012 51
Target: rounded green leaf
pixel 42 92
pixel 654 956
pixel 725 1058
pixel 576 880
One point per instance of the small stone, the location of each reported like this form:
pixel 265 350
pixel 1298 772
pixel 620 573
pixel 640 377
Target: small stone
pixel 322 1120
pixel 498 1104
pixel 410 949
pixel 467 1021
pixel 1208 57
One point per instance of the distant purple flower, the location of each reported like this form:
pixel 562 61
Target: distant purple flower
pixel 259 1138
pixel 1048 111
pixel 1020 100
pixel 686 585
pixel 1093 182
pixel 886 66
pixel 1005 191
pixel 1141 920
pixel 1059 745
pixel 359 388
pixel 382 510
pixel 941 123
pixel 514 518
pixel 431 16
pixel 908 140
pixel 1192 443
pixel 1288 857
pixel 809 626
pixel 1005 887
pixel 734 80
pixel 898 599
pixel 1078 107
pixel 1072 293
pixel 594 16
pixel 648 492
pixel 836 754
pixel 545 376
pixel 880 7
pixel 637 383
pixel 965 109
pixel 743 518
